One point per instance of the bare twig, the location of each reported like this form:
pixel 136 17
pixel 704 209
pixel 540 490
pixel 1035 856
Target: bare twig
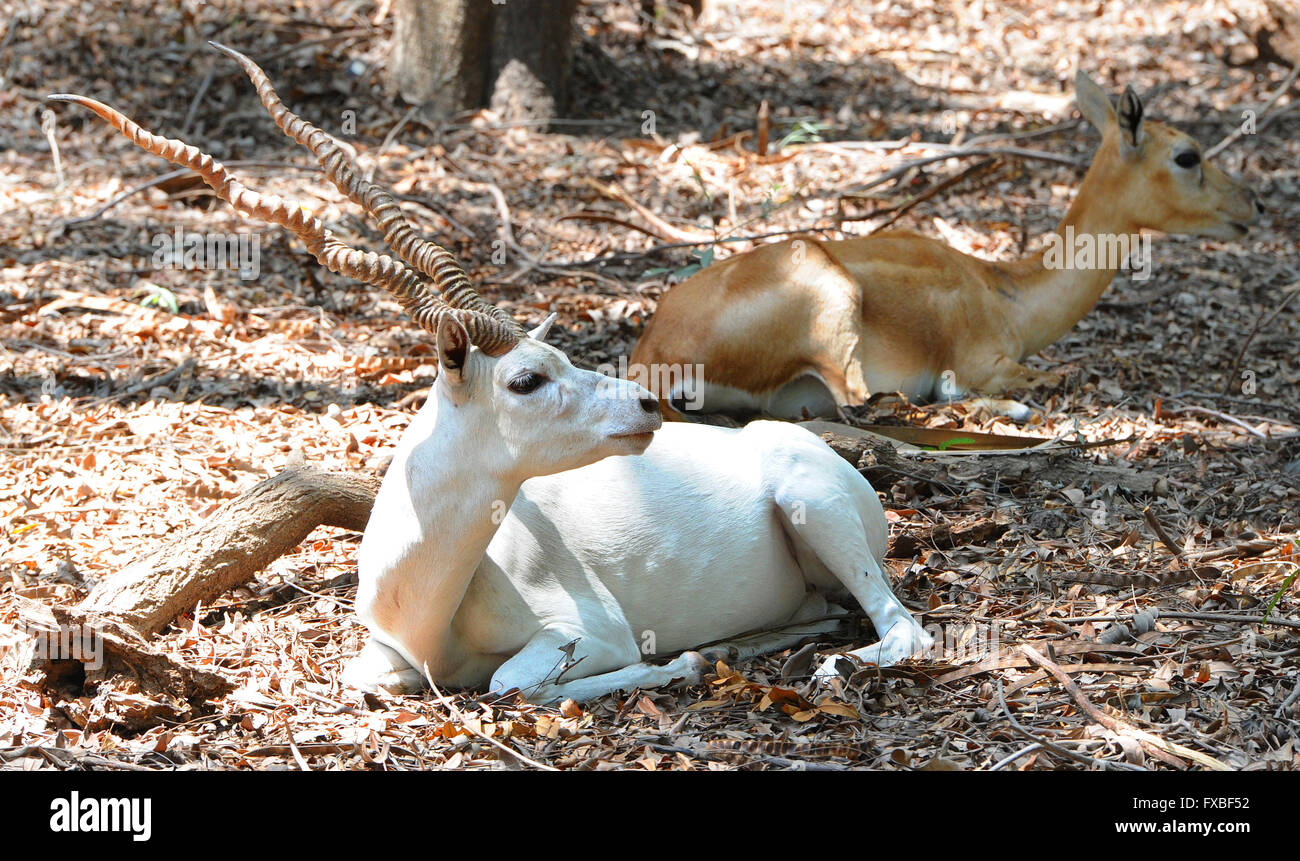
pixel 1053 746
pixel 1240 130
pixel 463 721
pixel 1230 617
pixel 198 99
pixel 1015 152
pixel 1260 323
pixel 1010 758
pixel 177 174
pixel 1165 751
pixel 1287 703
pixel 1159 530
pixel 665 229
pixel 933 190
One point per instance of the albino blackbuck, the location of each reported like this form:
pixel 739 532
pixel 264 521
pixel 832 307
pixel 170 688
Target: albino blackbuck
pixel 537 529
pixel 806 325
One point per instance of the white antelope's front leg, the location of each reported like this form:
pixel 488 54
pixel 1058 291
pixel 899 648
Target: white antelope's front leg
pixel 538 670
pixel 378 666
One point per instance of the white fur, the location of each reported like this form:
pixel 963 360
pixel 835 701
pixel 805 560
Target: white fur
pixel 709 533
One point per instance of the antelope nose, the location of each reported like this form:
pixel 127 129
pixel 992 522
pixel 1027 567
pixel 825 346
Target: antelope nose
pixel 650 405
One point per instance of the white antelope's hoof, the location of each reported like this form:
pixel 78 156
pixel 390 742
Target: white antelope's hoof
pixel 834 667
pixel 377 667
pixel 692 666
pixel 899 645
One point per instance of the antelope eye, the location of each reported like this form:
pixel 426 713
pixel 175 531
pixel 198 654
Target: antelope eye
pixel 1188 158
pixel 526 383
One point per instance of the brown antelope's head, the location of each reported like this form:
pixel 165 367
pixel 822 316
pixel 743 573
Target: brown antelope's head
pixel 499 389
pixel 1156 176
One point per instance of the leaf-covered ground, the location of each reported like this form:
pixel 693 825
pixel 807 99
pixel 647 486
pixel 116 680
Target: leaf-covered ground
pixel 137 396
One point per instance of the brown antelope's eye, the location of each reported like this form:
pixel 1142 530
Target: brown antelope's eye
pixel 1188 158
pixel 526 383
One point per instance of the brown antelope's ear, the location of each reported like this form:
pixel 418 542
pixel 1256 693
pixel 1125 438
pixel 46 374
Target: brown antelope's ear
pixel 453 350
pixel 1130 119
pixel 1094 104
pixel 540 333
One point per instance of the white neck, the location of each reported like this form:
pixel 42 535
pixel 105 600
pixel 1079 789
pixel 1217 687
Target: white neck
pixel 441 502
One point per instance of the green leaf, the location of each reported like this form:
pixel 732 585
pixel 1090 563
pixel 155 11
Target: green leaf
pixel 1286 584
pixel 803 132
pixel 161 297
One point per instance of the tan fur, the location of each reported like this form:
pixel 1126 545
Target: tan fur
pixel 896 310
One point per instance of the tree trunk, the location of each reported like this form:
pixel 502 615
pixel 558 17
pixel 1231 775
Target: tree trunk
pixel 531 59
pixel 456 55
pixel 242 538
pixel 440 53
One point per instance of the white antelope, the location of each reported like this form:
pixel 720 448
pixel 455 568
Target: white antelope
pixel 807 325
pixel 537 529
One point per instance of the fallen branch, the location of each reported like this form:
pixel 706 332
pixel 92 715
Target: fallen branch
pixel 466 723
pixel 163 179
pixel 1240 550
pixel 1053 746
pixel 1229 617
pixel 1165 751
pixel 1159 530
pixel 1260 323
pixel 932 191
pixel 69 653
pixel 1012 152
pixel 242 538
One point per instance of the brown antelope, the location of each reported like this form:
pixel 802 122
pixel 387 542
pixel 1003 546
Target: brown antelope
pixel 805 326
pixel 537 529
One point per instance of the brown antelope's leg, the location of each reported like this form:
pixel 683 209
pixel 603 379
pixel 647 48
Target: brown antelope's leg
pixel 1009 375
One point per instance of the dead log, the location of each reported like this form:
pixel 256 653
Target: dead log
pixel 103 675
pixel 945 536
pixel 455 55
pixel 440 54
pixel 239 540
pixel 94 659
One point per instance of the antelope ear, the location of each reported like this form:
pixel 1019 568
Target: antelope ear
pixel 540 333
pixel 1094 104
pixel 1130 120
pixel 453 350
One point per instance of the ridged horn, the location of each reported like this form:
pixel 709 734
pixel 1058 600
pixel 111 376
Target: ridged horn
pixel 420 253
pixel 488 333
